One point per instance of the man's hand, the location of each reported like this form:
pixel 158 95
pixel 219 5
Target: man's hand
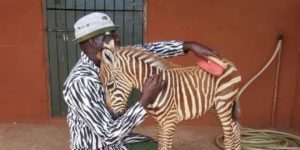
pixel 200 50
pixel 152 87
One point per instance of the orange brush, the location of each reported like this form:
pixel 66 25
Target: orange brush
pixel 213 66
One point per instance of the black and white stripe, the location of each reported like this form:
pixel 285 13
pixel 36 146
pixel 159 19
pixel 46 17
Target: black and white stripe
pixel 190 91
pixel 91 125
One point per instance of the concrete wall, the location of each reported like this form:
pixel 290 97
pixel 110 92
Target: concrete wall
pixel 23 78
pixel 244 32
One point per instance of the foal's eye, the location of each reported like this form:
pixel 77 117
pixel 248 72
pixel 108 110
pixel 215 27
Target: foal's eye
pixel 110 85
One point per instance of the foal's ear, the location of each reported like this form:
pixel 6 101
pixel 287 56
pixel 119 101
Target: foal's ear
pixel 99 56
pixel 109 58
pixel 110 44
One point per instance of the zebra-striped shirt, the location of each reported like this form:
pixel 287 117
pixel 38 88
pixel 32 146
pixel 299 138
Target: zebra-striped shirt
pixel 91 126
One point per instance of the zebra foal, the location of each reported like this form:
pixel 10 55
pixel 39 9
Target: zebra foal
pixel 190 91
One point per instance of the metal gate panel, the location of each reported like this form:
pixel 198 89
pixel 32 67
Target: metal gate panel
pixel 63 53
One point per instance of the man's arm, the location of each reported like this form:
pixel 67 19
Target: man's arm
pixel 199 50
pixel 178 48
pixel 164 49
pixel 84 98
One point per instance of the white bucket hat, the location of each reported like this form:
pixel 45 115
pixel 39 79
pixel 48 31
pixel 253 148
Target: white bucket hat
pixel 92 25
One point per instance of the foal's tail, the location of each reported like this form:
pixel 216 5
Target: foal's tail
pixel 236 111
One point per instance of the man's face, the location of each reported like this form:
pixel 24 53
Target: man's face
pixel 98 42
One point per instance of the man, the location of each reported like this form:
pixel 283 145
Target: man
pixel 91 125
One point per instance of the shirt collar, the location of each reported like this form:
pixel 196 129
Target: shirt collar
pixel 87 60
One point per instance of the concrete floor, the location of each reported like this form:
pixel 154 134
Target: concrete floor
pixel 55 136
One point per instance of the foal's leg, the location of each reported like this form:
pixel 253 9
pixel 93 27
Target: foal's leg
pixel 237 135
pixel 230 127
pixel 166 129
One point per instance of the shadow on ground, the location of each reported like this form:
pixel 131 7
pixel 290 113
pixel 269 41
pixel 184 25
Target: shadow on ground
pixel 55 136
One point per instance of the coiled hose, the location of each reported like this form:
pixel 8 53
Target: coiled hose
pixel 255 139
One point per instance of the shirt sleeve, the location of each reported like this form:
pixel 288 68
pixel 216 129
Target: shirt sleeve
pixel 84 97
pixel 164 49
